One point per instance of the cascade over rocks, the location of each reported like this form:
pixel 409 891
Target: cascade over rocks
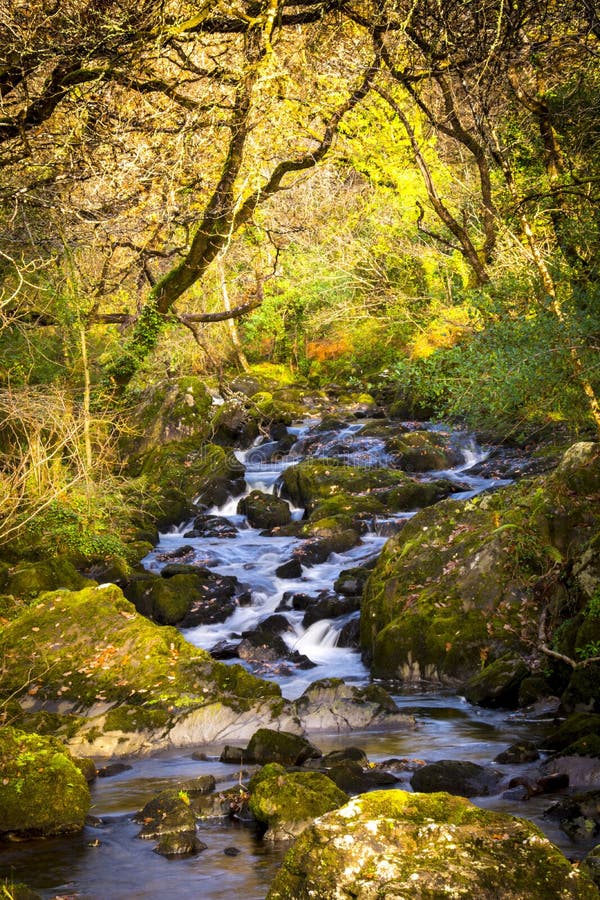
pixel 393 843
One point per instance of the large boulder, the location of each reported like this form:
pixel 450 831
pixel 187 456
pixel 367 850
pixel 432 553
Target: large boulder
pixel 287 802
pixel 397 844
pixel 312 481
pixel 42 789
pixel 332 705
pixel 168 412
pixel 466 582
pixel 90 652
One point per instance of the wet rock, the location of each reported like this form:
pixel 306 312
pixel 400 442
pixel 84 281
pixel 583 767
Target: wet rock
pixel 290 569
pixel 350 634
pixel 287 802
pixel 113 769
pixel 232 851
pixel 262 647
pixel 42 790
pixel 180 844
pixel 422 847
pixel 353 779
pixel 522 788
pixel 347 753
pixel 498 684
pixel 267 746
pixel 220 490
pixel 233 755
pixel 224 650
pixel 578 816
pixel 209 526
pixel 464 779
pixel 331 705
pixel 318 550
pixel 350 582
pixel 301 601
pixel 231 803
pixel 167 813
pixel 264 510
pixel 329 607
pixel 273 624
pixel 521 752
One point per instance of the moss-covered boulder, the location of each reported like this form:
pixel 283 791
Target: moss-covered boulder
pixel 497 684
pixel 466 582
pixel 420 451
pixel 42 790
pixel 167 412
pixel 90 652
pixel 269 746
pixel 264 510
pixel 287 802
pixel 315 480
pixel 397 844
pixel 28 579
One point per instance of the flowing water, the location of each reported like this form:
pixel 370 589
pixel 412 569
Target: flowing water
pixel 110 863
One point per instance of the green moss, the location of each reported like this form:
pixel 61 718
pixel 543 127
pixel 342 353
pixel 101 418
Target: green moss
pixel 135 718
pixel 426 846
pixel 115 656
pixel 26 580
pixel 42 791
pixel 288 802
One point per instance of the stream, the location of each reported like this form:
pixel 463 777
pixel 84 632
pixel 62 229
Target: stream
pixel 109 862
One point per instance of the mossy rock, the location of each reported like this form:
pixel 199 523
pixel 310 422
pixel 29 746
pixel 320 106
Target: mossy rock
pixel 170 477
pixel 456 588
pixel 287 803
pixel 42 790
pixel 577 727
pixel 314 480
pixel 114 656
pixel 268 746
pixel 264 510
pixel 27 580
pixel 591 864
pixel 497 684
pixel 420 451
pixel 169 412
pixel 393 843
pixel 166 600
pixel 17 891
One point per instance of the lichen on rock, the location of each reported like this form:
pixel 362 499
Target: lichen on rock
pixel 397 844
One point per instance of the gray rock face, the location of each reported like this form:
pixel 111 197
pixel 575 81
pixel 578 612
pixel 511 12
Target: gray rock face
pixel 331 705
